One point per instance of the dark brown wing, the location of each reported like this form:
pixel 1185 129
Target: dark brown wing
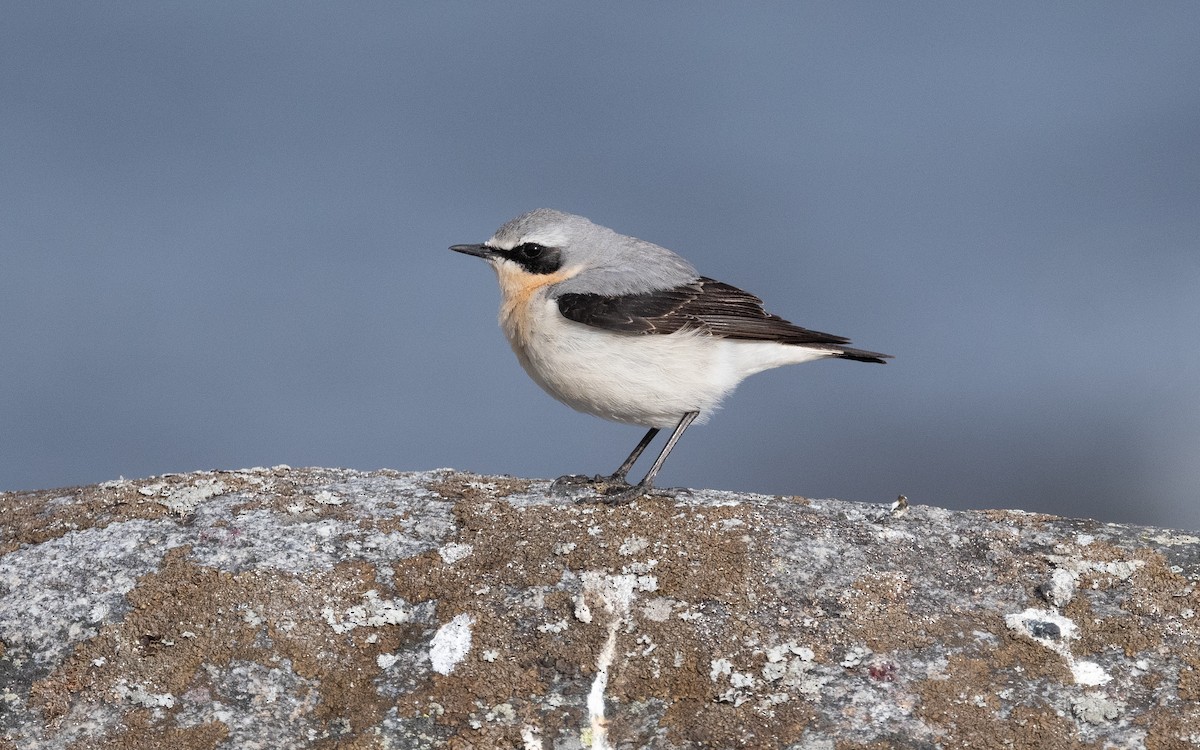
pixel 703 305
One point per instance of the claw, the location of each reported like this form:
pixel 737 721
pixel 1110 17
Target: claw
pixel 572 480
pixel 622 495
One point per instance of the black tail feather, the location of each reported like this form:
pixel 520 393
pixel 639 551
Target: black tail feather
pixel 861 355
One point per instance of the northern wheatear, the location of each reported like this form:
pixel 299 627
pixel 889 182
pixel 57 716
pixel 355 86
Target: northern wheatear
pixel 626 330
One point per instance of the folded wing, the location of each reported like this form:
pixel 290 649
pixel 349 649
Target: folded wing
pixel 705 305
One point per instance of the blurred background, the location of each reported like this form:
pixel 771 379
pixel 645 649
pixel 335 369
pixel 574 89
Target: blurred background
pixel 224 226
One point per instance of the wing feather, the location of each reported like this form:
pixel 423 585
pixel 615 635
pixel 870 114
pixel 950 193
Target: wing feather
pixel 706 305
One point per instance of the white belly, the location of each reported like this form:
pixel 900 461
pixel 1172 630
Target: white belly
pixel 650 380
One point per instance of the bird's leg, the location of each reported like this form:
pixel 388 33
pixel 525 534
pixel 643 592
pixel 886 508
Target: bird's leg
pixel 684 423
pixel 621 475
pixel 647 482
pixel 617 478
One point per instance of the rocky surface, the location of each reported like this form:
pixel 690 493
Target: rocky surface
pixel 325 608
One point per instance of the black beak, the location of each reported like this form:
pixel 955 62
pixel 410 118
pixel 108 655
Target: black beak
pixel 479 251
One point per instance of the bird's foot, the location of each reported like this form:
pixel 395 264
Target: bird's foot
pixel 609 489
pixel 575 480
pixel 620 495
pixel 580 486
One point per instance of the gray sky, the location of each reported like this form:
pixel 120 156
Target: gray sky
pixel 224 231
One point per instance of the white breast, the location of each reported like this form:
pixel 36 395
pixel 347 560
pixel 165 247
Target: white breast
pixel 649 380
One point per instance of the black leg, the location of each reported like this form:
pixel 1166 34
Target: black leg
pixel 688 418
pixel 647 482
pixel 622 473
pixel 618 479
pixel 615 487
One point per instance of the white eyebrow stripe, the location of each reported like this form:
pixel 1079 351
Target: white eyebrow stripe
pixel 547 237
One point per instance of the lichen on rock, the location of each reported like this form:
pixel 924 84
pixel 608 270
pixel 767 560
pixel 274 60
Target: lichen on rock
pixel 331 608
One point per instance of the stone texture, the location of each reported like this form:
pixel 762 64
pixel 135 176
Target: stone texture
pixel 326 608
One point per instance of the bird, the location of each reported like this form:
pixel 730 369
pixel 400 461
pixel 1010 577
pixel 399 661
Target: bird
pixel 629 331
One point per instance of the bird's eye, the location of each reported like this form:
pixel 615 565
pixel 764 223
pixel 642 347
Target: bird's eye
pixel 535 258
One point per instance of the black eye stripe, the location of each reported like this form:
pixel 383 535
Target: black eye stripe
pixel 534 257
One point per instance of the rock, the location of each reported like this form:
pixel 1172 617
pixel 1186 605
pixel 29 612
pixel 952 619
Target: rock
pixel 322 608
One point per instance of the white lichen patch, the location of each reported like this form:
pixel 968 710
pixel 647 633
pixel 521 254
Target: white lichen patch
pixel 855 656
pixel 658 609
pixel 140 696
pixel 564 548
pixel 183 499
pixel 1170 540
pixel 741 684
pixel 1060 589
pixel 1088 673
pixel 454 551
pixel 1055 632
pixel 250 617
pixel 502 712
pixel 633 545
pixel 451 643
pixel 640 566
pixel 530 738
pixel 325 497
pixel 774 670
pixel 780 658
pixel 1114 570
pixel 787 669
pixel 373 613
pixel 779 653
pixel 719 667
pixel 646 583
pixel 1095 709
pixel 386 660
